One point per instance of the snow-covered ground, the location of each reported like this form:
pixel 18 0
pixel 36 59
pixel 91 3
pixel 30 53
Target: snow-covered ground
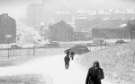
pixel 53 67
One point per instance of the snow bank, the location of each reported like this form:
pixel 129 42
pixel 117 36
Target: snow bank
pixel 25 79
pixel 117 61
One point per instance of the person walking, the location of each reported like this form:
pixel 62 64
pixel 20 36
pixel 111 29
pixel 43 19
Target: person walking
pixel 72 55
pixel 67 60
pixel 95 74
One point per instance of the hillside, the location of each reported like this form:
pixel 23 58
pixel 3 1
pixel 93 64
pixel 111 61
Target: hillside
pixel 118 62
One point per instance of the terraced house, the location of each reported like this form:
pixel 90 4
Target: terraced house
pixel 7 29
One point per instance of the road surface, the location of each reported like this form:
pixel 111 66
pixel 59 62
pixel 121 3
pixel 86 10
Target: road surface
pixel 52 67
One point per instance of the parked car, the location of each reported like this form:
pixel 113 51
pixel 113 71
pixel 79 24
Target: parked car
pixel 91 44
pixel 52 44
pixel 120 41
pixel 15 47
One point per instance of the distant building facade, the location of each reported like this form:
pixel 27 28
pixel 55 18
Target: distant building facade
pixel 82 24
pixel 107 33
pixel 131 28
pixel 61 31
pixel 82 36
pixel 7 29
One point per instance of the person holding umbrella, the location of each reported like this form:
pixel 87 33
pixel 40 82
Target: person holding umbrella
pixel 67 59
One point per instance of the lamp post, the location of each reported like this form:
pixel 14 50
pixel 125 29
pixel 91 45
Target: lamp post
pixel 34 49
pixel 8 36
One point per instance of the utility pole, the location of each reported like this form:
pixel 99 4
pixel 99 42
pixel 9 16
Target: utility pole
pixel 8 39
pixel 134 57
pixel 8 50
pixel 34 50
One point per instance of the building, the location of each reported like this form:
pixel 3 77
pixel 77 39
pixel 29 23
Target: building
pixel 82 36
pixel 7 29
pixel 131 28
pixel 61 31
pixel 82 24
pixel 107 33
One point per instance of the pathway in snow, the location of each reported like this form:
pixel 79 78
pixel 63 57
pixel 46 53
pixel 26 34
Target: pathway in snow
pixel 53 67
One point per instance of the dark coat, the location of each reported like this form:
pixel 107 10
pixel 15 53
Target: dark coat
pixel 94 75
pixel 67 60
pixel 72 55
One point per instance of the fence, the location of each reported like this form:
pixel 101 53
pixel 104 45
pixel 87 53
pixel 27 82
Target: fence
pixel 8 53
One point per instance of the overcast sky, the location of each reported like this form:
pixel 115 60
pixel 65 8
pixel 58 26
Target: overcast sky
pixel 17 8
pixel 13 2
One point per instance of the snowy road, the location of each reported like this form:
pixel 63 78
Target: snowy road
pixel 50 66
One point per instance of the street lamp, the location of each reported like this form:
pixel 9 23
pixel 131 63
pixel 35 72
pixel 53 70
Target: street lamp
pixel 8 36
pixel 33 50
